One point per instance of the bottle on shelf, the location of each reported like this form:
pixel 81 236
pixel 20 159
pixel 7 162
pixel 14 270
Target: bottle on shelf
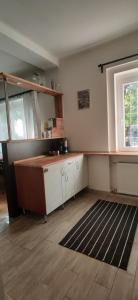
pixel 66 145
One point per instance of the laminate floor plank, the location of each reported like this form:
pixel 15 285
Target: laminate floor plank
pixel 86 270
pixel 122 287
pixel 133 260
pixel 81 287
pixel 136 236
pixel 135 286
pixel 84 264
pixel 98 292
pixel 60 284
pixel 106 275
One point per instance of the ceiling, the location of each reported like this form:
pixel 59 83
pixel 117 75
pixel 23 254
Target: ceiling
pixel 42 32
pixel 11 64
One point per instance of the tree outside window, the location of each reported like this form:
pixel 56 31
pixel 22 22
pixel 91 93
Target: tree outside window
pixel 130 94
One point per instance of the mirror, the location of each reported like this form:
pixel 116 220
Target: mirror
pixel 29 112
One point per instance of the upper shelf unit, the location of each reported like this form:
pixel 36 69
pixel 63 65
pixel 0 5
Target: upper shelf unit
pixel 28 84
pixel 11 79
pixel 55 105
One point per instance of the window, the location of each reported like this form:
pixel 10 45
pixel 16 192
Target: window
pixel 126 104
pixel 130 97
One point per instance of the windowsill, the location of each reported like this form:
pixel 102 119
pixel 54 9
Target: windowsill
pixel 111 153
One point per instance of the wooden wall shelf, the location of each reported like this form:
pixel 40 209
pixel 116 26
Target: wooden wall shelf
pixel 28 84
pixel 31 140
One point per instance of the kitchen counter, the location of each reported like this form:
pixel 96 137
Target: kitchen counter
pixel 43 161
pixel 44 183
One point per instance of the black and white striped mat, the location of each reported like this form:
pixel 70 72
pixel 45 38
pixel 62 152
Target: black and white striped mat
pixel 106 232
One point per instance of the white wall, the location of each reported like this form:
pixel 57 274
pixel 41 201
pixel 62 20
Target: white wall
pixel 88 129
pixel 99 173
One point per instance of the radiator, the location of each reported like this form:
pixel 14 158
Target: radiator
pixel 127 178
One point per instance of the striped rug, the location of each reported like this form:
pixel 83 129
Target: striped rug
pixel 106 232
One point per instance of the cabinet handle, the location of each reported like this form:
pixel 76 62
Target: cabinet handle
pixel 45 170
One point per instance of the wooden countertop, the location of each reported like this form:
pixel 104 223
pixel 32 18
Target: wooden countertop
pixel 43 161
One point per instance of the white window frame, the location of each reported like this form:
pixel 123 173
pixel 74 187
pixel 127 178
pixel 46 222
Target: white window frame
pixel 119 81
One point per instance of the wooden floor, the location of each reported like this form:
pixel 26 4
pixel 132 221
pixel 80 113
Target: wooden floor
pixel 35 267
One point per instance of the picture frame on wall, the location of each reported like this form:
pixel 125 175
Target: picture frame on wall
pixel 83 99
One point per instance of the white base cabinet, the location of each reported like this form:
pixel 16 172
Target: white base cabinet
pixel 68 190
pixel 81 173
pixel 53 187
pixel 63 180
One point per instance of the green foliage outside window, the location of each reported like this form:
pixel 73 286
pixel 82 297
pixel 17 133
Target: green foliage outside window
pixel 131 105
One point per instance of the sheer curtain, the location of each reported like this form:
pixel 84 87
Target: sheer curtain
pixel 3 125
pixel 17 119
pixel 22 118
pixel 30 115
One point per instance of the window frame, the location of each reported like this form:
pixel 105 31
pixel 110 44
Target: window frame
pixel 120 110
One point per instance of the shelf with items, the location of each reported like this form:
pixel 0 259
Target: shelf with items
pixel 23 88
pixel 53 128
pixel 18 81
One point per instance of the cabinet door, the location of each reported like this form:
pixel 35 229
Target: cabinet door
pixel 68 187
pixel 81 173
pixel 53 187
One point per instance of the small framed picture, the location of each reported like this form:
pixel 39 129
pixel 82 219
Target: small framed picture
pixel 83 99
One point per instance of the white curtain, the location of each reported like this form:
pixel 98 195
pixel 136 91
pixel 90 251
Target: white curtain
pixel 22 118
pixel 30 115
pixel 3 125
pixel 17 119
pixel 3 122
